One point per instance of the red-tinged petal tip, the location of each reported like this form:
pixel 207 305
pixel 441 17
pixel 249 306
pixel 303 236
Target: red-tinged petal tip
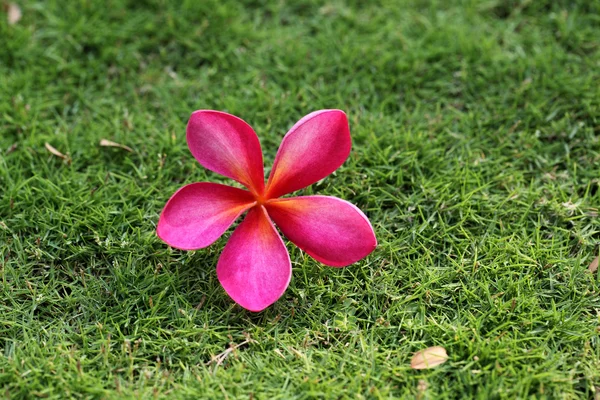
pixel 255 267
pixel 315 147
pixel 199 213
pixel 329 229
pixel 227 145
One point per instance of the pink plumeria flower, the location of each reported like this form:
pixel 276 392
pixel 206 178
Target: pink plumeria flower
pixel 255 267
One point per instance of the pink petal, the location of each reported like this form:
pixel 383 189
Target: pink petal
pixel 329 229
pixel 198 214
pixel 227 145
pixel 315 147
pixel 255 267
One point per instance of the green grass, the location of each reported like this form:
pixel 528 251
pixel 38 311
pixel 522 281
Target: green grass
pixel 476 156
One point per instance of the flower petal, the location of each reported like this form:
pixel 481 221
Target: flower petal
pixel 227 145
pixel 198 214
pixel 255 267
pixel 329 229
pixel 315 147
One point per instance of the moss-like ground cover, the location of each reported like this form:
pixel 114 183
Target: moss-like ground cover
pixel 476 156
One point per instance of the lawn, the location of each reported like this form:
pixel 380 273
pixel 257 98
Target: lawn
pixel 476 156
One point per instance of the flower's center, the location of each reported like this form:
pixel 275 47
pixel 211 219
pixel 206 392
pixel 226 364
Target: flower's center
pixel 260 199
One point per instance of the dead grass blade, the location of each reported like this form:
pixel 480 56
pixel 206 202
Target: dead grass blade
pixel 218 360
pixel 12 148
pixel 57 153
pixel 109 143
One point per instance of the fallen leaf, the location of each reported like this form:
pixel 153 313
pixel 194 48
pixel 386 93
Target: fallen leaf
pixel 55 152
pixel 13 13
pixel 594 265
pixel 108 143
pixel 429 358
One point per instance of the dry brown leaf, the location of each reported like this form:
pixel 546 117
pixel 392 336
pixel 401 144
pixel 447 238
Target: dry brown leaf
pixel 109 143
pixel 13 13
pixel 594 265
pixel 55 152
pixel 429 358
